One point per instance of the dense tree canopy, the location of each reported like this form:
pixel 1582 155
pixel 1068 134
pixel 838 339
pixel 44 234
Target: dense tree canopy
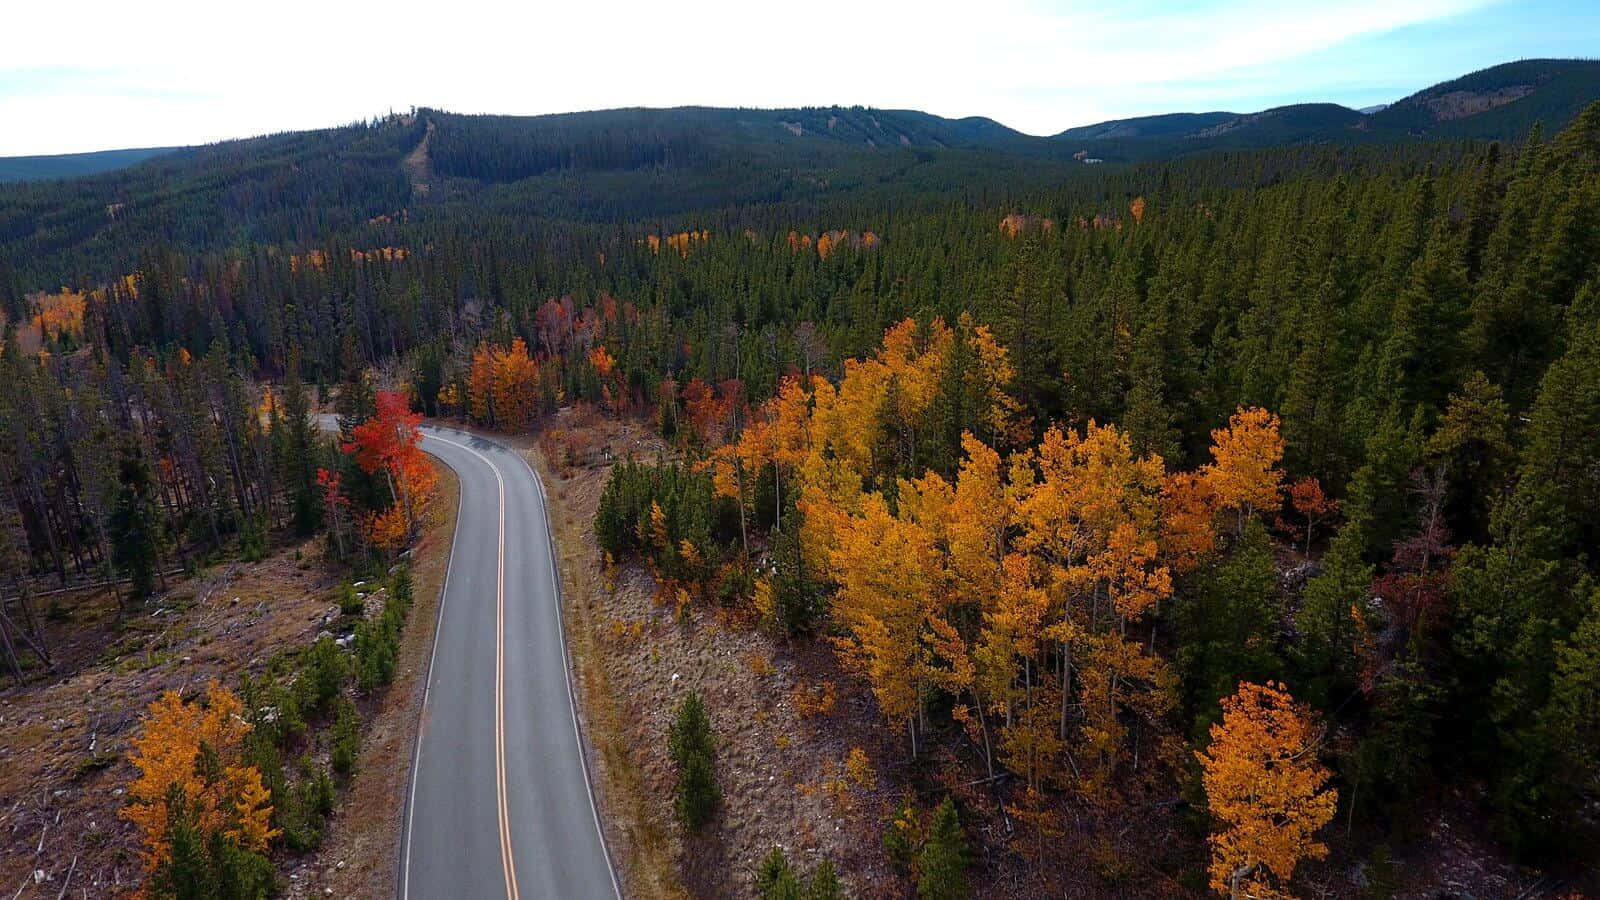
pixel 1013 431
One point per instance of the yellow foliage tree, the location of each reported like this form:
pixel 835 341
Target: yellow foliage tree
pixel 1267 791
pixel 1188 521
pixel 990 375
pixel 1244 474
pixel 890 602
pixel 193 753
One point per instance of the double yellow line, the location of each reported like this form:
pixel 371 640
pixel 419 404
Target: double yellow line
pixel 508 859
pixel 508 855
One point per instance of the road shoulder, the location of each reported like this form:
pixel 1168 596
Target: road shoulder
pixel 361 847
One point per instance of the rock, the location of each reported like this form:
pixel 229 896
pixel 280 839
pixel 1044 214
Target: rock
pixel 1297 577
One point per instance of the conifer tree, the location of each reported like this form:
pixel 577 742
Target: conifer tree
pixel 942 863
pixel 136 530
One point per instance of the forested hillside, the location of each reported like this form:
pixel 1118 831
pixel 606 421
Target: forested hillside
pixel 1117 485
pixel 69 165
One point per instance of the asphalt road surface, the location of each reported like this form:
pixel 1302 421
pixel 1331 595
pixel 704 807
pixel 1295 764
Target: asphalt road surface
pixel 499 803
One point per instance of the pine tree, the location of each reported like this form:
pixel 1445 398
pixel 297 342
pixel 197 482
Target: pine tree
pixel 824 883
pixel 692 747
pixel 299 461
pixel 1227 628
pixel 775 880
pixel 942 863
pixel 136 531
pixel 1326 624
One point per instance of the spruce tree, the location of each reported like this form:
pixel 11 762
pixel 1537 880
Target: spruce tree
pixel 301 464
pixel 136 532
pixel 692 746
pixel 942 863
pixel 775 880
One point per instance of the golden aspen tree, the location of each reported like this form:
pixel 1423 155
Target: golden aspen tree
pixel 888 575
pixel 1266 790
pixel 1008 679
pixel 789 416
pixel 914 367
pixel 1244 473
pixel 991 374
pixel 1188 521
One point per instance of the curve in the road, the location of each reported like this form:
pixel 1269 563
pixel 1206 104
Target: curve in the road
pixel 517 716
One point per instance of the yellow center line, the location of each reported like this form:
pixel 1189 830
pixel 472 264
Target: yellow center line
pixel 508 854
pixel 508 862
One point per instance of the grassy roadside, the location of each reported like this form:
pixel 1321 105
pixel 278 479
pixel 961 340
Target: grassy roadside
pixel 360 850
pixel 641 842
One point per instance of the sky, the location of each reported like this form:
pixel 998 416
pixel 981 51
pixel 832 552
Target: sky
pixel 79 75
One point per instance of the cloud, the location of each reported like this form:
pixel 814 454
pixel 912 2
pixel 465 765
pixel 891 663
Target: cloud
pixel 180 72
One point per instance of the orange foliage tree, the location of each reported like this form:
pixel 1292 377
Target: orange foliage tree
pixel 1267 791
pixel 1312 506
pixel 190 758
pixel 390 442
pixel 503 387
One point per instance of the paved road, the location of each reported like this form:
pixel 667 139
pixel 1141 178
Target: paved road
pixel 499 801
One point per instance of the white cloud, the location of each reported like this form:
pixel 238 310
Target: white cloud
pixel 78 75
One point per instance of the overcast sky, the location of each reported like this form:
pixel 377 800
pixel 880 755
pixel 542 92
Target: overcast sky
pixel 81 75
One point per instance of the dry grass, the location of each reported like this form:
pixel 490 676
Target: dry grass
pixel 636 831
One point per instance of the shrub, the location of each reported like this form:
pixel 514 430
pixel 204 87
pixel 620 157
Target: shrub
pixel 624 522
pixel 902 837
pixel 776 880
pixel 206 864
pixel 376 647
pixel 253 540
pixel 350 603
pixel 344 739
pixel 377 643
pixel 824 884
pixel 322 675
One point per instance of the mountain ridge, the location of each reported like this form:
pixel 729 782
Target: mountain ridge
pixel 1499 102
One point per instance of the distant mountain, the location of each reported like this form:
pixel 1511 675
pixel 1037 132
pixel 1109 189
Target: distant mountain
pixel 1498 103
pixel 509 148
pixel 1169 125
pixel 69 165
pixel 630 164
pixel 1503 99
